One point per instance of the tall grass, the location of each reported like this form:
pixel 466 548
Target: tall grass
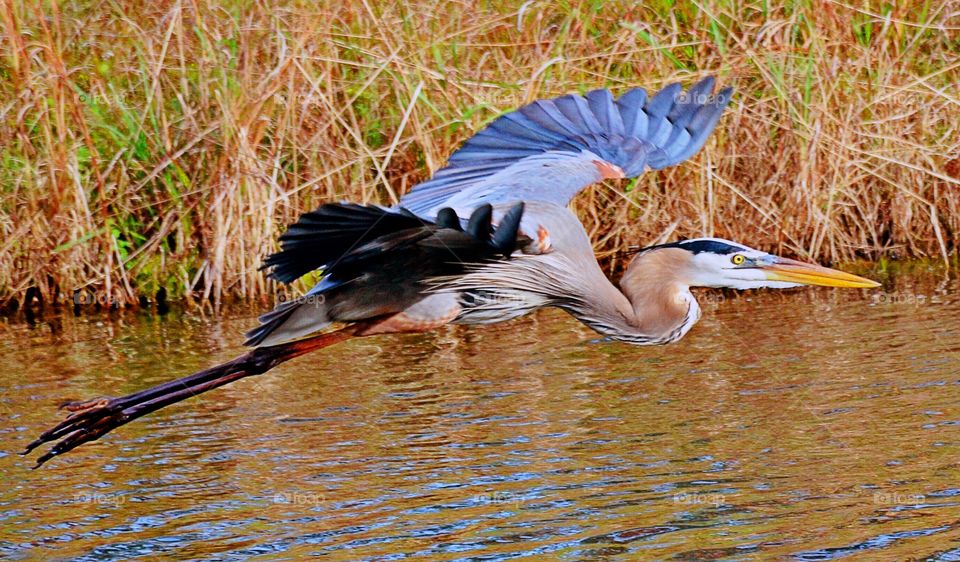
pixel 165 144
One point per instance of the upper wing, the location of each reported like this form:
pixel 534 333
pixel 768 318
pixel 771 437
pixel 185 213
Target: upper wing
pixel 551 149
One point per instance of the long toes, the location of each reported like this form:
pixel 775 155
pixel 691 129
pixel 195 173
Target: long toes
pixel 90 432
pixel 82 415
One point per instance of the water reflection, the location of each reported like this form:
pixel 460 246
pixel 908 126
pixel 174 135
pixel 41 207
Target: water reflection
pixel 812 425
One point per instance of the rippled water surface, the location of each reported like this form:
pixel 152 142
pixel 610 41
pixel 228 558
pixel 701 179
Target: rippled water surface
pixel 810 425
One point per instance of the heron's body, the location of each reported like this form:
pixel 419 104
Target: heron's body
pixel 556 267
pixel 539 156
pixel 425 263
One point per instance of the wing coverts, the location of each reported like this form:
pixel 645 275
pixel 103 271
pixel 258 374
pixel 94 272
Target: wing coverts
pixel 633 132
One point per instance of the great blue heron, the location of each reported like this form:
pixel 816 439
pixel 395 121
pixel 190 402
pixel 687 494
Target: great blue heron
pixel 420 265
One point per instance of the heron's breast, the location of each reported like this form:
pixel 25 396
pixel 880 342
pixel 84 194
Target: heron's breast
pixel 431 312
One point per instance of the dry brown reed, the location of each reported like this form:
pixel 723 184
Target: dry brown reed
pixel 165 144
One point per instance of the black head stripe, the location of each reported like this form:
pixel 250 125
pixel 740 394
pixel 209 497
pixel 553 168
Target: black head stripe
pixel 699 245
pixel 711 246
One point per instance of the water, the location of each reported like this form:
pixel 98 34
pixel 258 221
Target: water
pixel 808 425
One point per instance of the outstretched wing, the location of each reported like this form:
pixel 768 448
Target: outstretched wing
pixel 551 149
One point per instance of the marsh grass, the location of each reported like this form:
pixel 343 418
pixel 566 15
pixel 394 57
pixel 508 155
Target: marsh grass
pixel 150 145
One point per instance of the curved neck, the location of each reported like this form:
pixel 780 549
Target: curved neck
pixel 654 307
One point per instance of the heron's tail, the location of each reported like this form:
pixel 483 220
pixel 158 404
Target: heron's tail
pixel 92 419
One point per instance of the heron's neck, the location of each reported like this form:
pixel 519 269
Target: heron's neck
pixel 654 304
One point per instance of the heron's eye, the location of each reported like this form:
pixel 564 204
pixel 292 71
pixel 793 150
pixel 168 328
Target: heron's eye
pixel 738 259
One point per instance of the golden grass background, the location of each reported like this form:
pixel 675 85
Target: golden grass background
pixel 166 144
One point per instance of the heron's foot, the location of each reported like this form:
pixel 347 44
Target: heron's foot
pixel 88 420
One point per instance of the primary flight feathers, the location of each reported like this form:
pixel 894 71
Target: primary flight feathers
pixel 633 132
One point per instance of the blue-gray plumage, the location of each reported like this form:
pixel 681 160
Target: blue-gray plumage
pixel 510 157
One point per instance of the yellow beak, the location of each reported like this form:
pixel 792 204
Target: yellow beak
pixel 793 271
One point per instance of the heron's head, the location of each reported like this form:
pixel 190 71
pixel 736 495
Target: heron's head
pixel 714 262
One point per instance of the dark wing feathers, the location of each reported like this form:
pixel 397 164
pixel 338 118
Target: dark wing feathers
pixel 375 260
pixel 320 237
pixel 337 237
pixel 505 238
pixel 447 218
pixel 479 226
pixel 633 132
